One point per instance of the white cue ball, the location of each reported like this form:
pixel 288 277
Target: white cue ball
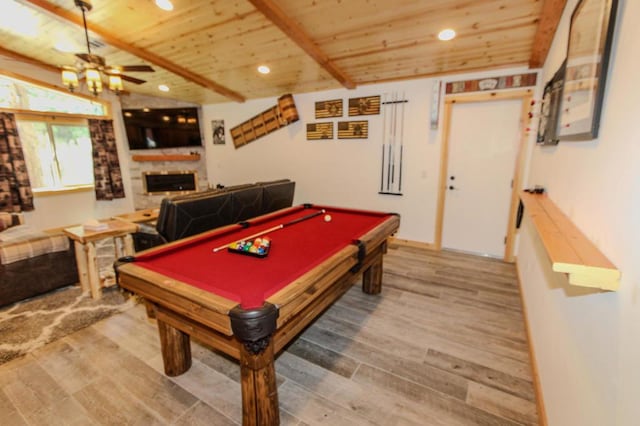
pixel 327 218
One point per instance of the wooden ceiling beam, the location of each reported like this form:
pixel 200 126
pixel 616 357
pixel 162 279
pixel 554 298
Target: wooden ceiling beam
pixel 114 41
pixel 547 24
pixel 278 17
pixel 28 60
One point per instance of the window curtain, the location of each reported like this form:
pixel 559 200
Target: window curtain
pixel 106 167
pixel 15 187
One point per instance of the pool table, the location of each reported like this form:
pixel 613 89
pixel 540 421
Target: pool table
pixel 247 306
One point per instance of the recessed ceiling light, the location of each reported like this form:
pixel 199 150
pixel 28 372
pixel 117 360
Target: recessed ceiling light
pixel 447 34
pixel 263 69
pixel 164 5
pixel 163 88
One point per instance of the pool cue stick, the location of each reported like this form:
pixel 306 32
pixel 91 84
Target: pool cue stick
pixel 389 168
pixel 401 142
pixel 382 170
pixel 390 145
pixel 256 235
pixel 384 131
pixel 274 228
pixel 395 126
pixel 300 219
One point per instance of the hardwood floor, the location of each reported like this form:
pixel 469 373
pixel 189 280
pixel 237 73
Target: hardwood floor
pixel 443 345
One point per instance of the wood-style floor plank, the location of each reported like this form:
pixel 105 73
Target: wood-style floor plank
pixel 379 407
pixel 443 344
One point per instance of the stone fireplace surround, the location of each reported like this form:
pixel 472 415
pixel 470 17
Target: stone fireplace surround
pixel 141 200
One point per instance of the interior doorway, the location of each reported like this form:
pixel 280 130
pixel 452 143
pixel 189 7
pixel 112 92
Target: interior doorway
pixel 481 161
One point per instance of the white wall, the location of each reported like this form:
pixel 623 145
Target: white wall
pixel 340 172
pixel 61 210
pixel 587 343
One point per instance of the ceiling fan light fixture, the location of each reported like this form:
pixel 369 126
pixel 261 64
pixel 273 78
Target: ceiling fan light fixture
pixel 94 80
pixel 70 79
pixel 94 67
pixel 115 83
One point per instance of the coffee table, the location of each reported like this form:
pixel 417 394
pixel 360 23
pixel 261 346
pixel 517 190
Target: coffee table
pixel 84 241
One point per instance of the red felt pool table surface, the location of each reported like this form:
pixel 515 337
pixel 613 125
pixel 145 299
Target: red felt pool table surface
pixel 250 280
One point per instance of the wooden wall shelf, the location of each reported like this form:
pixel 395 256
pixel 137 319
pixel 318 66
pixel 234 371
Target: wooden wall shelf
pixel 167 157
pixel 568 248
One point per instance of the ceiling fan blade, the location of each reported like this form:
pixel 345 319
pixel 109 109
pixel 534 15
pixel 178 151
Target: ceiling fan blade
pixel 132 79
pixel 136 68
pixel 92 59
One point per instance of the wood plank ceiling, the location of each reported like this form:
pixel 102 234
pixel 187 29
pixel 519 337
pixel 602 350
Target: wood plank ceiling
pixel 207 51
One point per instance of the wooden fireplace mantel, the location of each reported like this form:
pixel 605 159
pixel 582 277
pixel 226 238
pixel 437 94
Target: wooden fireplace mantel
pixel 166 157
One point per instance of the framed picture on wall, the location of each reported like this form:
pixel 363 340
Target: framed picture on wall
pixel 353 129
pixel 217 127
pixel 550 109
pixel 590 38
pixel 364 106
pixel 327 109
pixel 317 131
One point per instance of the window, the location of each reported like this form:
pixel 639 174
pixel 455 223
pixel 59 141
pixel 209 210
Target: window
pixel 23 95
pixel 57 151
pixel 53 130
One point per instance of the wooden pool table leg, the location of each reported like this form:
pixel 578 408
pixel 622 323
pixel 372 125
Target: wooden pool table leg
pixel 259 390
pixel 372 276
pixel 176 349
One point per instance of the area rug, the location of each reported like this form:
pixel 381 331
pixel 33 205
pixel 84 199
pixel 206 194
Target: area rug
pixel 33 323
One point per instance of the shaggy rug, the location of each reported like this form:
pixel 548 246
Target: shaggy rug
pixel 32 323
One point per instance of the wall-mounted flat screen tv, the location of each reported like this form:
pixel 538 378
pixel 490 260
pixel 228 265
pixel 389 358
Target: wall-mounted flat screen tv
pixel 162 127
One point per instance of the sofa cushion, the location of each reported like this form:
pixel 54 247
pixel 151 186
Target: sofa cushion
pixel 277 195
pixel 7 220
pixel 194 215
pixel 246 203
pixel 22 242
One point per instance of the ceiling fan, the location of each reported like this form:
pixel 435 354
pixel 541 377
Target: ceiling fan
pixel 95 65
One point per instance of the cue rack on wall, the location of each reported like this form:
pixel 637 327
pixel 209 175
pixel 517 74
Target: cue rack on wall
pixel 392 144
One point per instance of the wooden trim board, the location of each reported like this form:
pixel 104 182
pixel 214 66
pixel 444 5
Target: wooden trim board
pixel 537 386
pixel 411 243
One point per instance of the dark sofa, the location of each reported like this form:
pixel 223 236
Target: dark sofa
pixel 37 275
pixel 182 216
pixel 34 274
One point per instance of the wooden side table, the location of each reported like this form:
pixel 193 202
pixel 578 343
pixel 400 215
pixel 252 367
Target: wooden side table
pixel 84 241
pixel 139 216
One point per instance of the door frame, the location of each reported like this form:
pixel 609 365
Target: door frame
pixel 525 96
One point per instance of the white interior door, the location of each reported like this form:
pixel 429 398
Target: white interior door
pixel 483 144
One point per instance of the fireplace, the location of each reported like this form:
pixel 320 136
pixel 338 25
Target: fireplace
pixel 170 182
